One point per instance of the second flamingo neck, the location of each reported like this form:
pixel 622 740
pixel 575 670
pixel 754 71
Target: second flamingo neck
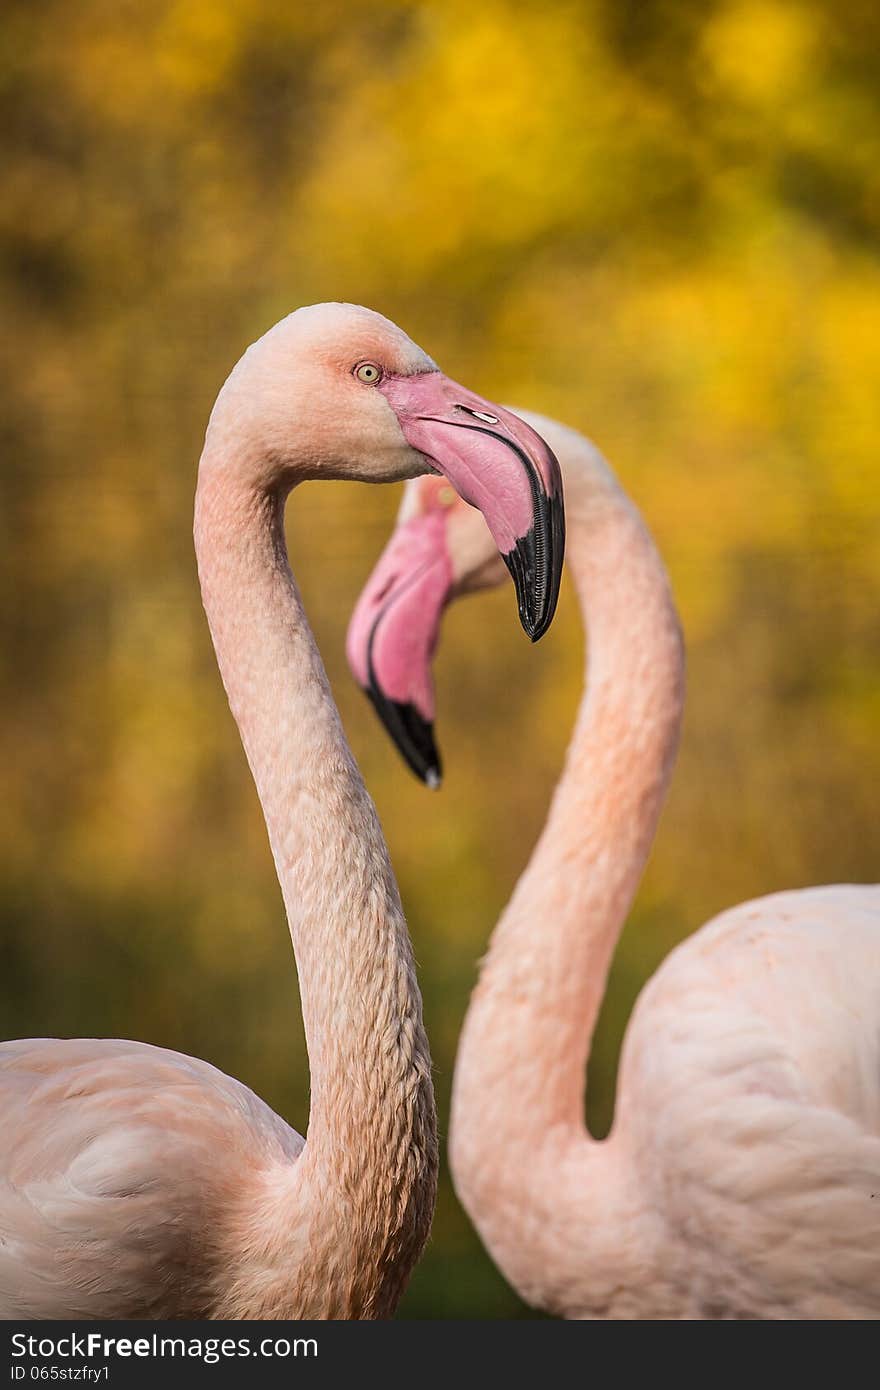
pixel 528 1031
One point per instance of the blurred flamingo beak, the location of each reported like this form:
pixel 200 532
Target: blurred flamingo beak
pixel 499 464
pixel 393 634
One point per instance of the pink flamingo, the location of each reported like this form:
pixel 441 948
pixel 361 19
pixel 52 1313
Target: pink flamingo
pixel 136 1182
pixel 741 1178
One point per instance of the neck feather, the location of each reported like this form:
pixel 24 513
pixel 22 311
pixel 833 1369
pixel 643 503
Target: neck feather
pixel 520 1072
pixel 365 1180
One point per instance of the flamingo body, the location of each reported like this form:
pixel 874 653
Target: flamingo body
pixel 124 1169
pixel 140 1183
pixel 741 1176
pixel 746 1135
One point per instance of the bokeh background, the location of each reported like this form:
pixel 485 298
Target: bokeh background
pixel 656 219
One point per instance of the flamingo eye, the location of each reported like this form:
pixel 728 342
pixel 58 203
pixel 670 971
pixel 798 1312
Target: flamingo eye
pixel 368 373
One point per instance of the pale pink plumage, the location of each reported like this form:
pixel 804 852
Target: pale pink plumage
pixel 741 1178
pixel 139 1183
pixel 124 1166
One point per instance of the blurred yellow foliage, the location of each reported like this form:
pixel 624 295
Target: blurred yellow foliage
pixel 762 53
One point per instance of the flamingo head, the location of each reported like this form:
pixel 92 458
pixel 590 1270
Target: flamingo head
pixel 338 391
pixel 440 548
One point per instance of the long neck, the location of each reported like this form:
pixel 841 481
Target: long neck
pixel 520 1073
pixel 365 1181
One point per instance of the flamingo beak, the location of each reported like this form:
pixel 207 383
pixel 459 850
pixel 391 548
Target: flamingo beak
pixel 393 635
pixel 498 463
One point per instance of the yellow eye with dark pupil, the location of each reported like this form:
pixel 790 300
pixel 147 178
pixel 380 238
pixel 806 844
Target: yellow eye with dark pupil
pixel 368 372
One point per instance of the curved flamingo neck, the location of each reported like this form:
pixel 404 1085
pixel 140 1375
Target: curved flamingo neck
pixel 357 1207
pixel 519 1142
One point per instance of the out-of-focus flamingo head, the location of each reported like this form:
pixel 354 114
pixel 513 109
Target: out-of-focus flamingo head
pixel 336 390
pixel 440 548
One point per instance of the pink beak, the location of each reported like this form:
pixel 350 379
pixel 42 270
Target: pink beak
pixel 393 634
pixel 499 464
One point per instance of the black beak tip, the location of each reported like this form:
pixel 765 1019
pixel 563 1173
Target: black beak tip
pixel 535 563
pixel 413 736
pixel 432 777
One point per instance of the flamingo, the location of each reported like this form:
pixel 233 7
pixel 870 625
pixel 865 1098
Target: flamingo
pixel 139 1183
pixel 741 1177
